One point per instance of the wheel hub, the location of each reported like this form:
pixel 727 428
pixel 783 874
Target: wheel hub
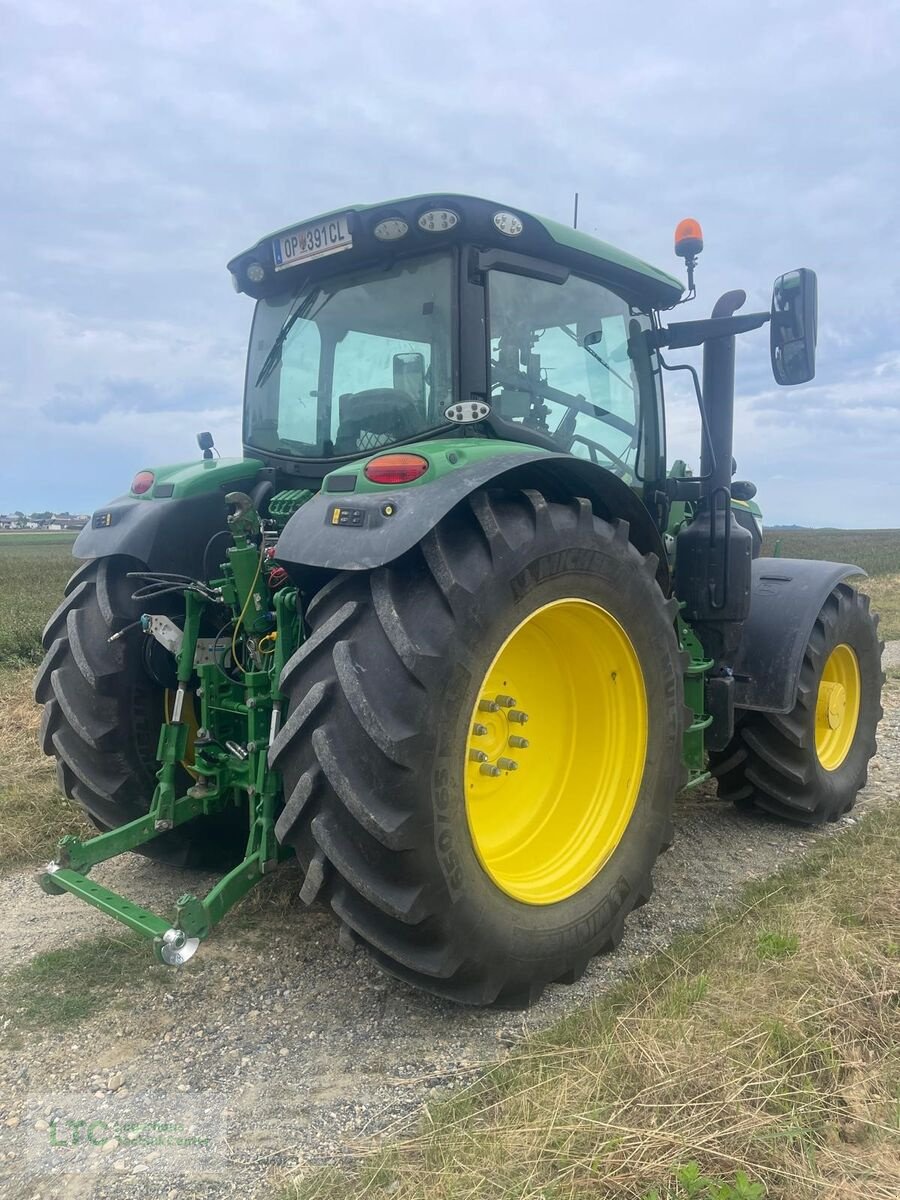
pixel 837 707
pixel 497 735
pixel 833 704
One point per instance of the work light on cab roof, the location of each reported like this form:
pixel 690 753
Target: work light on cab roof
pixel 364 233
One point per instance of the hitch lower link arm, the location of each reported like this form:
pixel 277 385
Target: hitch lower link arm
pixel 175 942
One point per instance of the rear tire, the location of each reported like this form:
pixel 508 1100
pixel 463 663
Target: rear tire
pixel 102 716
pixel 795 766
pixel 373 753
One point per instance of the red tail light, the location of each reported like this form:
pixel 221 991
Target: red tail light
pixel 142 482
pixel 396 468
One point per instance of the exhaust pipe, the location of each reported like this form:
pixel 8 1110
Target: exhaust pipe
pixel 714 552
pixel 718 396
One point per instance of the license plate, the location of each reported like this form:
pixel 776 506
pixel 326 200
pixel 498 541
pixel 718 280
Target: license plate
pixel 311 241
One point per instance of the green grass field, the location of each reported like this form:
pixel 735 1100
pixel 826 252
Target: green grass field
pixel 34 568
pixel 875 550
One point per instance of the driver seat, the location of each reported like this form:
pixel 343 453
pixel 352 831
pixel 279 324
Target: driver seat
pixel 373 418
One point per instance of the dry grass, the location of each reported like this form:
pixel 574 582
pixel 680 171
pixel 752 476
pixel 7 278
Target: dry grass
pixel 770 1045
pixel 33 812
pixel 884 592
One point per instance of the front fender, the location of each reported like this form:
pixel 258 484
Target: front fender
pixel 786 596
pixel 359 531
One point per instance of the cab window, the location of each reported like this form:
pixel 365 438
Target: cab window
pixel 569 360
pixel 342 366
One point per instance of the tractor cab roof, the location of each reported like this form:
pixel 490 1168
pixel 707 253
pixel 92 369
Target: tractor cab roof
pixel 361 235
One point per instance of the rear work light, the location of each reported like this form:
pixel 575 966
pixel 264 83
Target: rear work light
pixel 395 468
pixel 142 482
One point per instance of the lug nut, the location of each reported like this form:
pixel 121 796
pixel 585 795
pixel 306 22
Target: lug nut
pixel 479 730
pixel 477 756
pixel 506 702
pixel 507 764
pixel 489 769
pixel 519 743
pixel 487 706
pixel 517 716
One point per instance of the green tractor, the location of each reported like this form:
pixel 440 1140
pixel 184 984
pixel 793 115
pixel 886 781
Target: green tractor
pixel 451 632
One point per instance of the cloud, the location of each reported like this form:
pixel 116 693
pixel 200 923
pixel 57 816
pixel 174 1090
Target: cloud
pixel 144 149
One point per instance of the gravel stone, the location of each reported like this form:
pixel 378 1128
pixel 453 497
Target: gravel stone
pixel 337 1054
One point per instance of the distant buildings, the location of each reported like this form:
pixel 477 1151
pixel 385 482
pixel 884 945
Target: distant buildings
pixel 49 522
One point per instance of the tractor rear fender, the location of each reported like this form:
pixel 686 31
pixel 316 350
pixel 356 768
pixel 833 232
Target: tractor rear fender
pixel 170 527
pixel 165 535
pixel 362 530
pixel 787 595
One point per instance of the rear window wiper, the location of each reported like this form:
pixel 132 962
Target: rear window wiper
pixel 273 358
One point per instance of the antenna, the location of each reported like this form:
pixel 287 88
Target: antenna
pixel 575 216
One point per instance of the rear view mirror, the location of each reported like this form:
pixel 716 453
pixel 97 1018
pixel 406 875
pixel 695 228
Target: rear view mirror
pixel 409 376
pixel 793 328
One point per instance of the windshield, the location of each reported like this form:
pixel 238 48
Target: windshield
pixel 346 365
pixel 568 360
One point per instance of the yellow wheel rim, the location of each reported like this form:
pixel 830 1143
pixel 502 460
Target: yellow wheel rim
pixel 189 716
pixel 555 753
pixel 837 707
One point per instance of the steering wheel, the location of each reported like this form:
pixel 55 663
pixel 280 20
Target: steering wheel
pixel 616 464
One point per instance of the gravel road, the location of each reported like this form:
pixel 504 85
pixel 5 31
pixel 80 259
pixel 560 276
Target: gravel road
pixel 280 1048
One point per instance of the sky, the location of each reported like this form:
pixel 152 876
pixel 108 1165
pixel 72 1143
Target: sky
pixel 144 145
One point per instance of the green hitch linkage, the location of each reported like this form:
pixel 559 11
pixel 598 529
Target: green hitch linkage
pixel 176 942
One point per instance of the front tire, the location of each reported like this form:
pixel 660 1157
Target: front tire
pixel 381 784
pixel 102 716
pixel 809 765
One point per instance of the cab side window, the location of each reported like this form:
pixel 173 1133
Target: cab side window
pixel 563 363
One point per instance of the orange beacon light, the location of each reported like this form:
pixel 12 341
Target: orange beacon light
pixel 688 244
pixel 688 238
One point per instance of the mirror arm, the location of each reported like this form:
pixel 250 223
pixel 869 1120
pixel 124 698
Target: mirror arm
pixel 678 335
pixel 690 488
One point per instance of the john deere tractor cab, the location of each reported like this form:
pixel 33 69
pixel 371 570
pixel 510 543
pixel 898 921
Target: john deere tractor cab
pixel 426 318
pixel 452 633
